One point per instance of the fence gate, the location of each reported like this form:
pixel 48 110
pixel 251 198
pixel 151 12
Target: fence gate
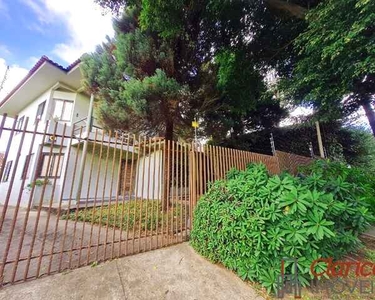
pixel 70 198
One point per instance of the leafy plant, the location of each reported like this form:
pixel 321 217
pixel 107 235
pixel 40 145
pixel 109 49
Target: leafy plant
pixel 343 181
pixel 38 182
pixel 251 221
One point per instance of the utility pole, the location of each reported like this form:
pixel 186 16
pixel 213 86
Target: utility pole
pixel 311 149
pixel 84 151
pixel 273 148
pixel 320 142
pixel 4 78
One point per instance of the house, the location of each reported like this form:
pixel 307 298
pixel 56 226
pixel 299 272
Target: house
pixel 51 95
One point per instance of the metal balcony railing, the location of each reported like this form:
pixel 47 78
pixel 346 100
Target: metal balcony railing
pixel 82 123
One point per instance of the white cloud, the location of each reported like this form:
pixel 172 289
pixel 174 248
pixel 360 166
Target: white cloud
pixel 4 9
pixel 84 21
pixel 15 75
pixel 4 51
pixel 40 11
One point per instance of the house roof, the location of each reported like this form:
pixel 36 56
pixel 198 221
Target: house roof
pixel 49 73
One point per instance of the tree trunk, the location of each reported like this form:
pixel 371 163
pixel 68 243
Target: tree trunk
pixel 167 165
pixel 286 6
pixel 370 115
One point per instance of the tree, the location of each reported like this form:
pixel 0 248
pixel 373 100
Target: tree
pixel 335 70
pixel 222 50
pixel 349 144
pixel 245 102
pixel 133 76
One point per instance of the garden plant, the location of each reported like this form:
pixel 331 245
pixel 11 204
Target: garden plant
pixel 252 220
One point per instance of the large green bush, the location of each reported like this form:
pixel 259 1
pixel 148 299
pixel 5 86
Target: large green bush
pixel 252 220
pixel 360 180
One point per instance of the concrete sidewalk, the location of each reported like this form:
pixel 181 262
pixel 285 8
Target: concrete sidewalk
pixel 175 272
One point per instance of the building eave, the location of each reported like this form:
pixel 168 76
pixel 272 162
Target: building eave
pixel 37 70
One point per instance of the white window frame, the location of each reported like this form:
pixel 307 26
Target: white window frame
pixel 52 165
pixel 63 109
pixel 39 115
pixel 26 171
pixel 19 124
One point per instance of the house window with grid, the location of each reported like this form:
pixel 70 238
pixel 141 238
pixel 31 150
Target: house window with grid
pixel 53 169
pixel 40 111
pixel 26 171
pixel 7 169
pixel 63 109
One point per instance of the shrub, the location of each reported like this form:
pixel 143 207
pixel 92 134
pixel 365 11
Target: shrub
pixel 252 220
pixel 361 182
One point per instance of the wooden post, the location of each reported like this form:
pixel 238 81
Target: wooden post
pixel 320 142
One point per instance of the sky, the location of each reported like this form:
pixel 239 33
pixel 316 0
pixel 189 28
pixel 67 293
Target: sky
pixel 61 29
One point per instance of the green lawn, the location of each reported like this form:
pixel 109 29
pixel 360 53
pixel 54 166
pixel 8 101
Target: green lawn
pixel 140 214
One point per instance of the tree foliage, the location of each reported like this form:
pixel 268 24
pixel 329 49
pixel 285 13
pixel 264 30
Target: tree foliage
pixel 335 70
pixel 347 144
pixel 220 51
pixel 134 78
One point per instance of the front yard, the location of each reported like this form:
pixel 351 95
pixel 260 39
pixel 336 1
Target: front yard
pixel 143 215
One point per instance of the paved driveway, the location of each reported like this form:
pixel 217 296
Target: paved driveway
pixel 176 272
pixel 51 252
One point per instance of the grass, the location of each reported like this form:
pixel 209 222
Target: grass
pixel 145 214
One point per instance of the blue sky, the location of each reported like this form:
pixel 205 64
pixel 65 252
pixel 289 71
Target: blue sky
pixel 22 36
pixel 61 29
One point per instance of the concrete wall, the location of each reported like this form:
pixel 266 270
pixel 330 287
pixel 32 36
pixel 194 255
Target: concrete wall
pixel 101 179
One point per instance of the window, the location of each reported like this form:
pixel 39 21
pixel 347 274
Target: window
pixel 27 166
pixel 40 111
pixel 7 169
pixel 63 109
pixel 19 124
pixel 50 171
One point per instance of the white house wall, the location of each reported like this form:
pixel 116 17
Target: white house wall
pixel 81 107
pixel 104 179
pixel 30 112
pixel 17 183
pixel 27 112
pixel 149 177
pixel 31 109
